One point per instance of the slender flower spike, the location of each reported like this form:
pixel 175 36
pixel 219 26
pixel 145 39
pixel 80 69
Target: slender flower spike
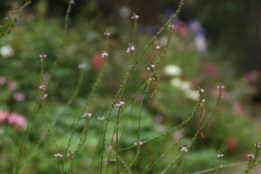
pixel 101 118
pixel 45 96
pixel 120 103
pixel 58 155
pixel 104 54
pixel 135 16
pixel 107 34
pixel 81 66
pixel 251 156
pixel 87 114
pixel 184 149
pixel 158 47
pixel 109 148
pixel 257 145
pixel 139 143
pixel 220 155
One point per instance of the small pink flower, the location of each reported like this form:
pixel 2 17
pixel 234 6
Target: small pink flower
pixel 107 34
pixel 220 155
pixel 184 149
pixel 135 17
pixel 158 47
pixel 87 114
pixel 58 155
pixel 139 143
pixel 250 156
pixel 120 103
pixel 18 96
pixel 101 118
pixel 12 85
pixel 2 80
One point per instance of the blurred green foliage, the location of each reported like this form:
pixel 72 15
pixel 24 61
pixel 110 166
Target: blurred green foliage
pixel 228 129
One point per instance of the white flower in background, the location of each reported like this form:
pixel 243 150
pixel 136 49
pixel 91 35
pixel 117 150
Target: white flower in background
pixel 192 94
pixel 163 40
pixel 6 51
pixel 176 82
pixel 125 11
pixel 172 70
pixel 185 85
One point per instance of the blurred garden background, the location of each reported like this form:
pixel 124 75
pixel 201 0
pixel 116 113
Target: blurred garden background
pixel 213 43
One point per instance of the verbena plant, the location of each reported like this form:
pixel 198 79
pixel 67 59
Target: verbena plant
pixel 109 147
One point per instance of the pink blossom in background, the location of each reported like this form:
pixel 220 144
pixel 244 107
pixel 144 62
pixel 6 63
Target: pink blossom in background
pixel 251 77
pixel 209 68
pixel 231 143
pixel 177 135
pixel 145 75
pixel 16 119
pixel 215 92
pixel 12 85
pixel 180 28
pixel 161 128
pixel 46 78
pixel 158 118
pixel 2 80
pixel 97 61
pixel 4 116
pixel 238 108
pixel 18 96
pixel 105 162
pixel 42 134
